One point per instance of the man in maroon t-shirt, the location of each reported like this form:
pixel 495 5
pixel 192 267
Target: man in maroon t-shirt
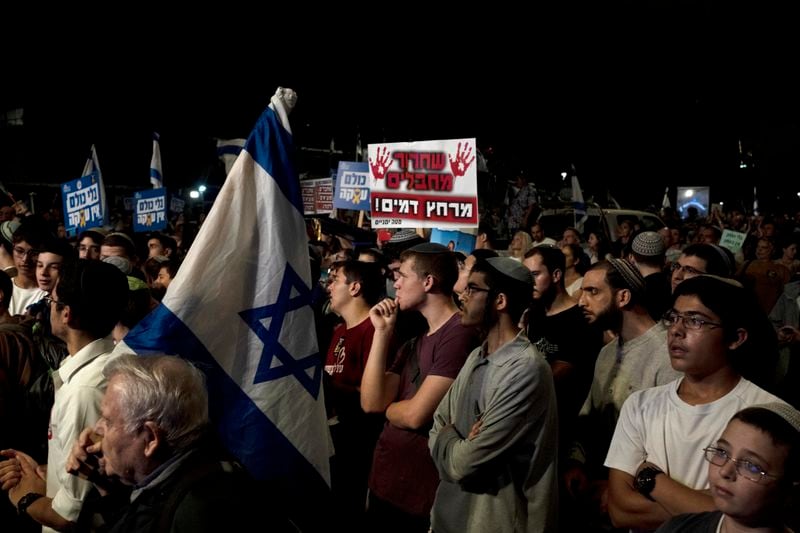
pixel 403 479
pixel 353 287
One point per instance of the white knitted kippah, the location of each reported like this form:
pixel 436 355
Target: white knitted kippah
pixel 785 411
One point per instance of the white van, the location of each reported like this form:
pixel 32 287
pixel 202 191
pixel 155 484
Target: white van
pixel 555 221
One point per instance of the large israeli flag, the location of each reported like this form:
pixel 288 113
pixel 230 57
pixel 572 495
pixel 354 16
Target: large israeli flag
pixel 240 308
pixel 92 166
pixel 155 164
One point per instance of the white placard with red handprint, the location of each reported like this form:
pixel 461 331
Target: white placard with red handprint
pixel 423 184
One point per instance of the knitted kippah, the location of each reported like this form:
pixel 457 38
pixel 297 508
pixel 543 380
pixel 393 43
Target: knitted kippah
pixel 785 411
pixel 648 244
pixel 633 278
pixel 404 235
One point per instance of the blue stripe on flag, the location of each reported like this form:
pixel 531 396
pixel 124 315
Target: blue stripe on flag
pixel 270 412
pixel 270 145
pixel 247 433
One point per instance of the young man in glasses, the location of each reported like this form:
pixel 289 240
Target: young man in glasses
pixel 655 469
pixel 753 469
pixel 85 305
pixel 495 438
pixel 27 242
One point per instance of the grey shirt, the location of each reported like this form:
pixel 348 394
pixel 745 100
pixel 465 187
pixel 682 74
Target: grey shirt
pixel 505 479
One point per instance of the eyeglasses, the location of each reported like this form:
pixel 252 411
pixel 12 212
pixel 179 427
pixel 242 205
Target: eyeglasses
pixel 671 318
pixel 674 267
pixel 49 300
pixel 474 288
pixel 746 469
pixel 22 252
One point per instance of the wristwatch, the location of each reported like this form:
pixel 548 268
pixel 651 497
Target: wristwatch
pixel 645 481
pixel 26 501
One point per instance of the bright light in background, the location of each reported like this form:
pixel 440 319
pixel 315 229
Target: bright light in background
pixel 688 193
pixel 564 176
pixel 194 194
pixel 721 204
pixel 202 188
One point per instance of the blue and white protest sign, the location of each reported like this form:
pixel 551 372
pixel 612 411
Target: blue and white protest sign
pixel 150 210
pixel 82 199
pixel 352 186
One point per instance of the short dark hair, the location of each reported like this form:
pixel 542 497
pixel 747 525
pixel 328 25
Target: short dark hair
pixel 737 308
pixel 95 235
pixel 441 265
pixel 367 274
pixel 96 292
pixel 780 431
pixel 60 247
pixel 167 242
pixel 719 260
pixel 552 257
pixel 518 293
pixel 484 228
pixel 122 241
pixel 617 281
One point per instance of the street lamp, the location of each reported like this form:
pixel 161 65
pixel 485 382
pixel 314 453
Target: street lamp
pixel 194 195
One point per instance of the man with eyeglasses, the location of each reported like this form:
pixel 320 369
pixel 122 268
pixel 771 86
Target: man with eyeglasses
pixel 85 305
pixel 655 469
pixel 27 241
pixel 495 437
pixel 702 258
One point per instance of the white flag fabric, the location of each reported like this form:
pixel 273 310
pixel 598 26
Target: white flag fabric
pixel 755 201
pixel 228 150
pixel 578 204
pixel 92 166
pixel 665 200
pixel 359 150
pixel 240 308
pixel 155 164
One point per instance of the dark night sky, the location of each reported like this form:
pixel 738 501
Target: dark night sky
pixel 636 97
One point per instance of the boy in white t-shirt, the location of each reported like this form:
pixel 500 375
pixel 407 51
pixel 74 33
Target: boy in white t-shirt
pixel 655 469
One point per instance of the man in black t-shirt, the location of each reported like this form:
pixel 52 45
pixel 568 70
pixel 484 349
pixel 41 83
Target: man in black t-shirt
pixel 556 326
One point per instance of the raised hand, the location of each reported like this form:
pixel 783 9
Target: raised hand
pixel 83 457
pixel 384 315
pixel 460 164
pixel 381 164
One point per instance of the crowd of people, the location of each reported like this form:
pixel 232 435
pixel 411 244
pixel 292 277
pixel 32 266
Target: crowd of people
pixel 559 383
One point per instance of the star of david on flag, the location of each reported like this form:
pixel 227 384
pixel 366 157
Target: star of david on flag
pixel 239 308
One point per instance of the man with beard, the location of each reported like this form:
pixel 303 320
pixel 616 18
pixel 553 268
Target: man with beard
pixel 494 435
pixel 558 330
pixel 612 299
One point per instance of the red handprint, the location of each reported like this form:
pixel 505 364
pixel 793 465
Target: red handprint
pixel 461 163
pixel 380 167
